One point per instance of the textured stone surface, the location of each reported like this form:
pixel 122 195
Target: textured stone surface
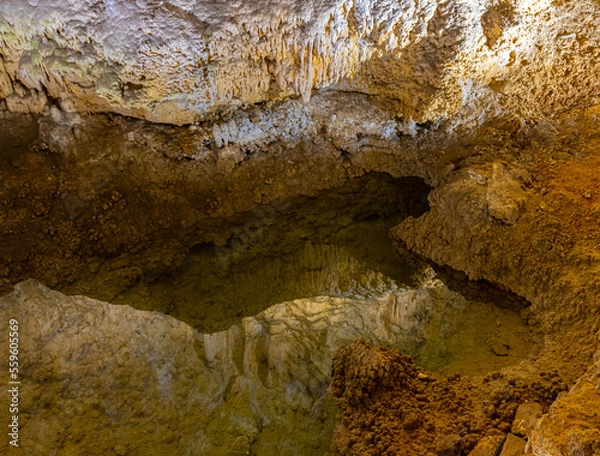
pixel 104 379
pixel 487 446
pixel 289 99
pixel 504 195
pixel 513 446
pixel 572 425
pixel 181 61
pixel 541 257
pixel 526 418
pixel 535 246
pixel 390 406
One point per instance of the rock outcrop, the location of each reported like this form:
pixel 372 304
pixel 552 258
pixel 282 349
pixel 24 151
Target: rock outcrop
pixel 539 253
pixel 572 425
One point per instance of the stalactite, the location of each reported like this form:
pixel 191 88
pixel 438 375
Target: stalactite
pixel 309 73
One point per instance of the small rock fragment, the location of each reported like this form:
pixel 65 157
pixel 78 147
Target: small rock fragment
pixel 504 195
pixel 513 446
pixel 526 417
pixel 449 445
pixel 477 177
pixel 499 348
pixel 487 446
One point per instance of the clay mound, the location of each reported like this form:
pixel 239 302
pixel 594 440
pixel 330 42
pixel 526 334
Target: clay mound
pixel 405 410
pixel 390 406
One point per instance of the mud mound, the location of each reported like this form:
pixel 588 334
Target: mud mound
pixel 389 406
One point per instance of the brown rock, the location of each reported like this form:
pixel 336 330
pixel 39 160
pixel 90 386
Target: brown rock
pixel 487 446
pixel 449 445
pixel 527 415
pixel 504 195
pixel 572 425
pixel 513 446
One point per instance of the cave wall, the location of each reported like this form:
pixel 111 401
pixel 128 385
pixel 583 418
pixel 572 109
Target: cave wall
pixel 261 101
pixel 129 125
pixel 186 61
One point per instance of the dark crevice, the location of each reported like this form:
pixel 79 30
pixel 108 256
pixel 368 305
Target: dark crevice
pixel 475 290
pixel 427 125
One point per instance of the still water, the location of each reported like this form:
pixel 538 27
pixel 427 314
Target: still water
pixel 298 279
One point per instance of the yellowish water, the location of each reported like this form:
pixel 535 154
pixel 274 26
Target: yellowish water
pixel 353 260
pixel 212 291
pixel 336 245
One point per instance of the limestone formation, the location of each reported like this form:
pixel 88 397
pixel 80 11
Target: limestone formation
pixel 133 132
pixel 183 61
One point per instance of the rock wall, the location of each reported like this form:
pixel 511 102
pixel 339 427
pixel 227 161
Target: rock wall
pixel 184 61
pixel 78 187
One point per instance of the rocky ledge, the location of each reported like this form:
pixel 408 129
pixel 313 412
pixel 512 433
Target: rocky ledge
pixel 529 228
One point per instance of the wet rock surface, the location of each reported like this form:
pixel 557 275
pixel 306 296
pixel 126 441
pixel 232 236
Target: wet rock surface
pixel 333 244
